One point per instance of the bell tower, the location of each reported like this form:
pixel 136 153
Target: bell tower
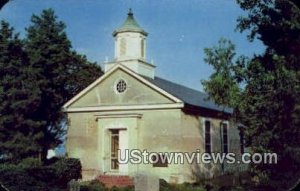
pixel 130 47
pixel 130 40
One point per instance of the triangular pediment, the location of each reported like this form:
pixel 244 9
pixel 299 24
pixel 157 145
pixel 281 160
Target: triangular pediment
pixel 137 91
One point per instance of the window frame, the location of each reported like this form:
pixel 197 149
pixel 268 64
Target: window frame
pixel 205 136
pixel 123 46
pixel 115 157
pixel 143 48
pixel 227 136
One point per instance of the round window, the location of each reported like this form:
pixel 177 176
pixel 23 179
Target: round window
pixel 121 86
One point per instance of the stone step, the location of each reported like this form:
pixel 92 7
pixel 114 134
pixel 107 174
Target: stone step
pixel 116 180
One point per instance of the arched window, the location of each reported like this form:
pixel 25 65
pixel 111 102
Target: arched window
pixel 123 46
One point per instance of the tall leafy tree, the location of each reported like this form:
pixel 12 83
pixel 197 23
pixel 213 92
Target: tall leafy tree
pixel 272 93
pixel 56 65
pixel 270 103
pixel 18 98
pixel 223 86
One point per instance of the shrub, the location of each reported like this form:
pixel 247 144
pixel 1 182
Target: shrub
pixel 129 188
pixel 165 186
pixel 29 162
pixel 13 177
pixel 95 185
pixel 66 170
pixel 30 174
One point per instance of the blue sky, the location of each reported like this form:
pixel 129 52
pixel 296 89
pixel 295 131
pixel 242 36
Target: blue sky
pixel 178 30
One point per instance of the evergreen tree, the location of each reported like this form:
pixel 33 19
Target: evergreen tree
pixel 56 67
pixel 18 98
pixel 81 73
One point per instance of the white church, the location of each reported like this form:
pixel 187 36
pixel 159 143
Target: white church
pixel 129 108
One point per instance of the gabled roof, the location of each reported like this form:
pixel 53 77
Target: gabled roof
pixel 187 95
pixel 128 71
pixel 130 25
pixel 176 92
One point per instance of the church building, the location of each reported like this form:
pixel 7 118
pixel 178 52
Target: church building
pixel 130 108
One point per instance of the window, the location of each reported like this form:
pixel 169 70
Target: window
pixel 224 127
pixel 242 140
pixel 121 86
pixel 123 46
pixel 143 48
pixel 207 137
pixel 160 162
pixel 114 149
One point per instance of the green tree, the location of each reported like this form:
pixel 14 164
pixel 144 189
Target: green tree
pixel 60 72
pixel 272 92
pixel 18 97
pixel 81 73
pixel 223 84
pixel 269 102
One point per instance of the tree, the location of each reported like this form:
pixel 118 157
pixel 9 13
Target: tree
pixel 2 3
pixel 269 103
pixel 81 73
pixel 223 84
pixel 56 66
pixel 18 97
pixel 273 88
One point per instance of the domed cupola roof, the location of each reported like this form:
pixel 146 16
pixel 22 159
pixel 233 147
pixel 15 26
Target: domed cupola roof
pixel 130 25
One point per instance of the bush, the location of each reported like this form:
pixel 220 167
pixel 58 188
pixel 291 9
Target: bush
pixel 66 170
pixel 165 186
pixel 95 185
pixel 29 162
pixel 15 178
pixel 30 174
pixel 129 188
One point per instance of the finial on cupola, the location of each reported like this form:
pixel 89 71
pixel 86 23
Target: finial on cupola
pixel 130 13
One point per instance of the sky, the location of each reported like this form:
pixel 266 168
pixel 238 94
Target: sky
pixel 178 30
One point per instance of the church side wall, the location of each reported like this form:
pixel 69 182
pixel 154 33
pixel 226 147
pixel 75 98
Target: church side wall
pixel 194 141
pixel 163 130
pixel 160 131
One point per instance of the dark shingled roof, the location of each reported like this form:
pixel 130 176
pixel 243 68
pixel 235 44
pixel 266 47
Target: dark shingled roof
pixel 187 95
